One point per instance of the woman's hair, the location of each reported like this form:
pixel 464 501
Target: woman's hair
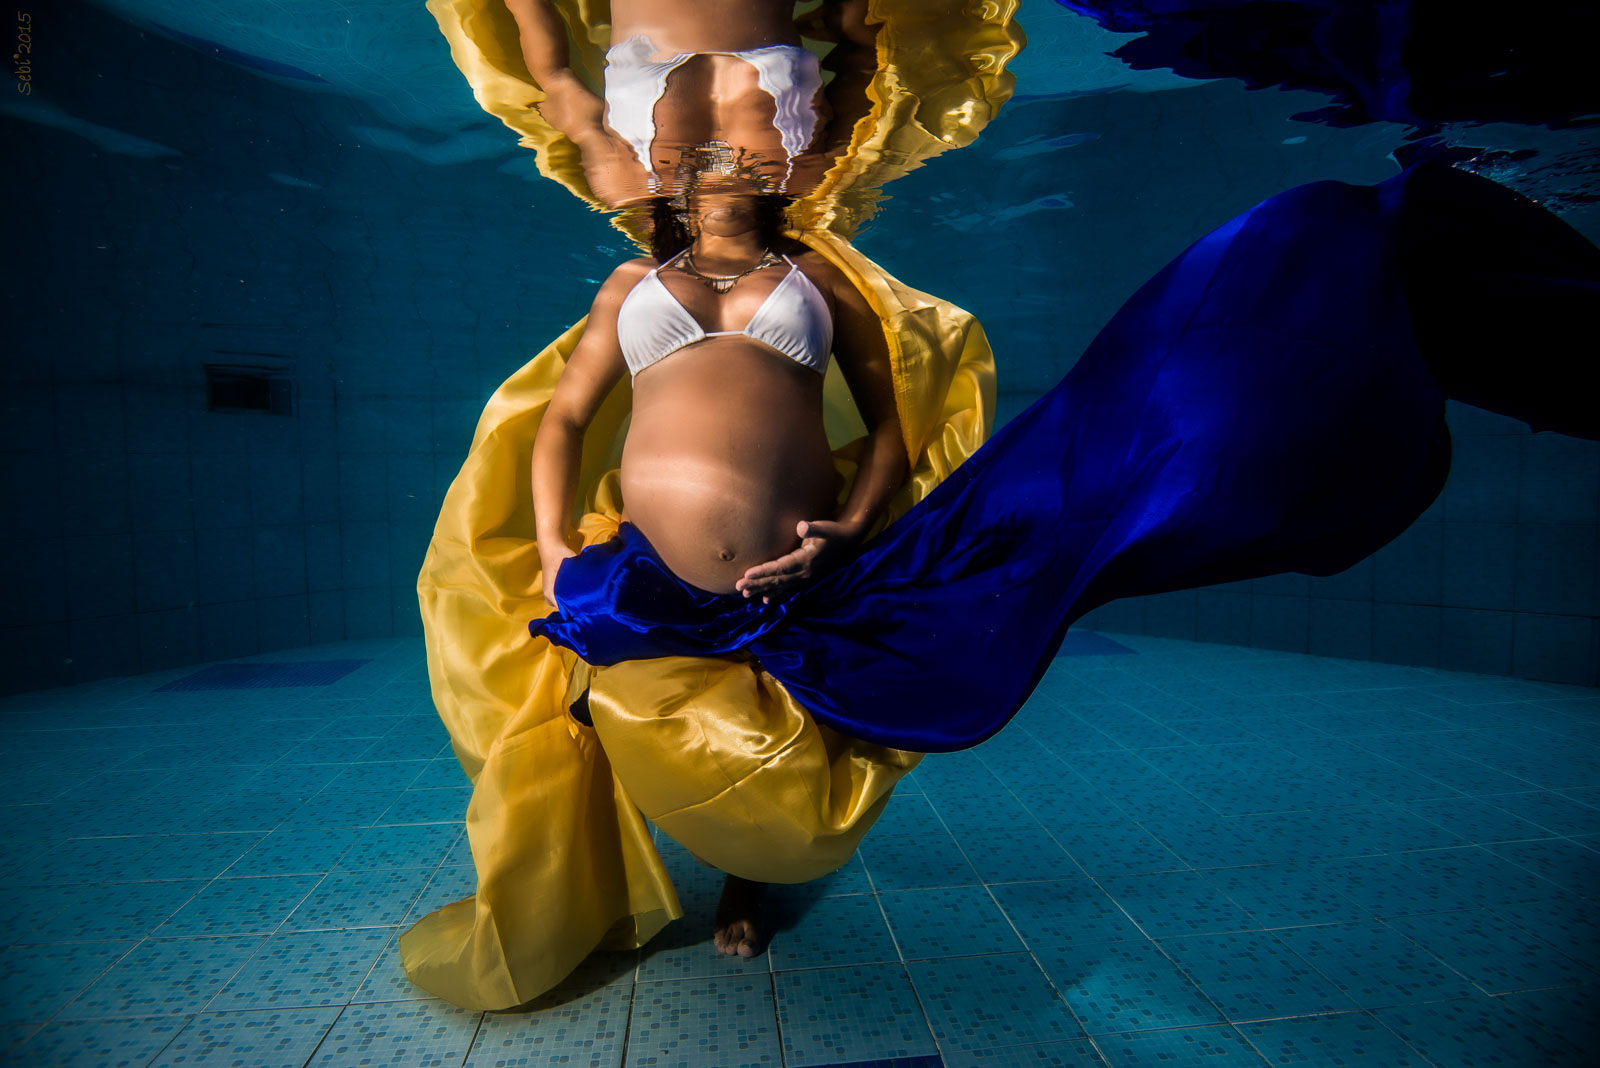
pixel 669 235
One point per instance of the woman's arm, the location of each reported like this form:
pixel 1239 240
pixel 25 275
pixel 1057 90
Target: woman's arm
pixel 863 355
pixel 595 366
pixel 569 105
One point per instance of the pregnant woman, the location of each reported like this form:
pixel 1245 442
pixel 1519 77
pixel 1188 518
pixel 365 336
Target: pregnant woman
pixel 726 470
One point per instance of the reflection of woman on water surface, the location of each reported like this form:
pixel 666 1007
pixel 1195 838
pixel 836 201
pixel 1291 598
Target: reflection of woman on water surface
pixel 687 76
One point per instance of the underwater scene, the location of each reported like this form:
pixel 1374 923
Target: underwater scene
pixel 844 533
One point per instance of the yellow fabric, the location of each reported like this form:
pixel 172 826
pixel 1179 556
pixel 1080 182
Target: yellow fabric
pixel 714 751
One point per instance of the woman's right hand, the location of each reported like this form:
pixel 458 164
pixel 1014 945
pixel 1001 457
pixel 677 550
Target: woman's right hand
pixel 550 560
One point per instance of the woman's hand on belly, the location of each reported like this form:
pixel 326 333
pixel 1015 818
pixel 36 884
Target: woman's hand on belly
pixel 551 555
pixel 824 545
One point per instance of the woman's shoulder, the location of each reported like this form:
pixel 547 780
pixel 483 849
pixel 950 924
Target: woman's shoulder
pixel 817 267
pixel 627 274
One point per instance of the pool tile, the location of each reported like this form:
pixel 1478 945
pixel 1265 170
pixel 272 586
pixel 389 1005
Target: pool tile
pixel 908 814
pixel 948 922
pixel 703 1023
pixel 89 912
pixel 240 906
pixel 1375 965
pixel 1497 956
pixel 1005 856
pixel 260 1039
pixel 164 976
pixel 1126 986
pixel 833 1015
pixel 1123 848
pixel 977 1003
pixel 345 899
pixel 1051 915
pixel 303 969
pixel 916 862
pixel 1342 1039
pixel 1284 895
pixel 568 1027
pixel 1169 904
pixel 97 1042
pixel 38 980
pixel 291 851
pixel 1250 975
pixel 831 931
pixel 1183 1047
pixel 402 1032
pixel 1565 862
pixel 408 846
pixel 1477 1031
pixel 1080 1054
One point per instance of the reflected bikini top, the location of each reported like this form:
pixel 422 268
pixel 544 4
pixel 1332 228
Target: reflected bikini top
pixel 794 319
pixel 791 75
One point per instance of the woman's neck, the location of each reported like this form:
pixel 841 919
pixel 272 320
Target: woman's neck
pixel 735 252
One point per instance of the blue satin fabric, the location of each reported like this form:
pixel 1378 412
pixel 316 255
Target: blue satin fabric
pixel 1259 406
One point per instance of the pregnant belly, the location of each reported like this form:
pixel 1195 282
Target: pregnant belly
pixel 719 468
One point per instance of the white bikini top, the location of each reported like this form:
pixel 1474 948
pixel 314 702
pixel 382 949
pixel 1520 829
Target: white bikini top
pixel 791 75
pixel 794 319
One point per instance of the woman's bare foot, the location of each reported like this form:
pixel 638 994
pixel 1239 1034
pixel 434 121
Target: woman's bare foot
pixel 738 920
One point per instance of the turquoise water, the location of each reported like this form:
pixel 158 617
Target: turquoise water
pixel 1387 847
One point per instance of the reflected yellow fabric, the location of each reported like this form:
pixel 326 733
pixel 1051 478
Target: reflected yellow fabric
pixel 714 751
pixel 941 78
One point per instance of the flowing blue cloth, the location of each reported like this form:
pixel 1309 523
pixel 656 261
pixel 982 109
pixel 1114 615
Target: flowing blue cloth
pixel 1259 406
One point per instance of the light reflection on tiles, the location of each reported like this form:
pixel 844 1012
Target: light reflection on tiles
pixel 1179 853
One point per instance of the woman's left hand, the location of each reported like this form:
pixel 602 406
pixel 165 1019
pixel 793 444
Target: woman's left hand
pixel 824 544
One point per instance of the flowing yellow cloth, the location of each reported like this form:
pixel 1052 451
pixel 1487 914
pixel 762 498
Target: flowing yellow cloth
pixel 714 751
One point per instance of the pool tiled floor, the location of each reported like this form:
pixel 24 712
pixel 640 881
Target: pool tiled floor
pixel 1178 854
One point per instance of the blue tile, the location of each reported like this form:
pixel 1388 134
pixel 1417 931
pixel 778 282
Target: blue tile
pixel 1284 895
pixel 1496 956
pixel 1025 854
pixel 291 851
pixel 1479 641
pixel 1375 965
pixel 239 906
pixel 1168 904
pixel 344 900
pixel 1050 915
pixel 830 932
pixel 1347 1038
pixel 279 561
pixel 1123 848
pixel 834 1015
pixel 1408 571
pixel 1251 975
pixel 1476 1031
pixel 916 862
pixel 1189 1047
pixel 1080 1054
pixel 976 1003
pixel 162 977
pixel 406 1032
pixel 568 1026
pixel 703 1023
pixel 948 922
pixel 263 1038
pixel 303 968
pixel 1126 986
pixel 132 1041
pixel 38 980
pixel 1554 648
